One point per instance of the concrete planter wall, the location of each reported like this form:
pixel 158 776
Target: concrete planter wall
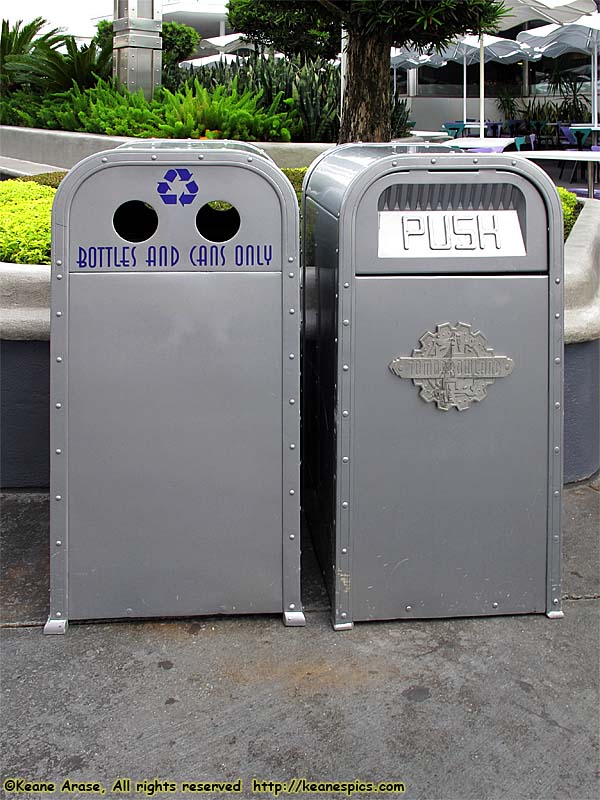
pixel 63 149
pixel 25 359
pixel 582 345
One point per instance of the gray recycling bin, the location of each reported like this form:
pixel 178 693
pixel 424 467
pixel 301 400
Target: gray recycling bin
pixel 433 383
pixel 175 386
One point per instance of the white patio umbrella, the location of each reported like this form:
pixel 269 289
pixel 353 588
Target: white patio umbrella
pixel 227 44
pixel 551 10
pixel 405 58
pixel 210 61
pixel 581 35
pixel 479 49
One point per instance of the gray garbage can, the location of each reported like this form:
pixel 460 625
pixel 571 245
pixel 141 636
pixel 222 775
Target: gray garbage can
pixel 175 386
pixel 433 383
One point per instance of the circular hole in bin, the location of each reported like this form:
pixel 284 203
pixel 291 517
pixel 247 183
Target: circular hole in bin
pixel 218 221
pixel 135 221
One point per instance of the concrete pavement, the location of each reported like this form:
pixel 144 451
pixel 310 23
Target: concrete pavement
pixel 505 707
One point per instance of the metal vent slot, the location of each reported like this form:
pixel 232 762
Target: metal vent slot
pixel 448 197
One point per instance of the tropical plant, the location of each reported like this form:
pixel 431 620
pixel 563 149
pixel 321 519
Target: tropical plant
pixel 20 48
pixel 194 112
pixel 53 71
pixel 400 115
pixel 507 102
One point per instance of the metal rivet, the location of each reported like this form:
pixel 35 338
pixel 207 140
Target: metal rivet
pixel 343 615
pixel 345 367
pixel 59 277
pixel 290 274
pixel 433 160
pixel 58 614
pixel 58 543
pixel 345 504
pixel 394 163
pixel 344 550
pixel 555 601
pixel 58 451
pixel 104 160
pixel 58 497
pixel 59 359
pixel 345 413
pixel 292 401
pixel 556 538
pixel 557 360
pixel 250 159
pixel 346 322
pixel 557 315
pixel 409 608
pixel 58 405
pixel 557 449
pixel 292 310
pixel 59 313
pixel 292 356
pixel 154 157
pixel 475 160
pixel 556 280
pixel 556 493
pixel 345 459
pixel 292 535
pixel 200 158
pixel 556 405
pixel 494 605
pixel 292 606
pixel 292 446
pixel 346 286
pixel 292 491
pixel 290 258
pixel 513 163
pixel 58 262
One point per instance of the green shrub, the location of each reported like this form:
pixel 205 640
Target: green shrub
pixel 25 211
pixel 570 208
pixel 295 175
pixel 51 179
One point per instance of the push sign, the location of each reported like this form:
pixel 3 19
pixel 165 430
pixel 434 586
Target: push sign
pixel 175 386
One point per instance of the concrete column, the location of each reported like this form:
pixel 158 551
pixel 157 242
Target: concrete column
pixel 137 45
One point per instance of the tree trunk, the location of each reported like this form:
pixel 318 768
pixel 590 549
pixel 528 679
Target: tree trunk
pixel 366 114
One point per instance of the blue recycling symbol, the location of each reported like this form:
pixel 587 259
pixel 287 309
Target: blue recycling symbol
pixel 177 184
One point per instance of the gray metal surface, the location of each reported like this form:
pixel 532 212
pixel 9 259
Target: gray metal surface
pixel 137 44
pixel 174 391
pixel 449 506
pixel 582 414
pixel 443 503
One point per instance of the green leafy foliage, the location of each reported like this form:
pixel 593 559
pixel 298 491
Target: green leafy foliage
pixel 51 179
pixel 21 47
pixel 25 212
pixel 400 115
pixel 191 112
pixel 570 206
pixel 194 112
pixel 309 90
pixel 293 28
pixel 179 42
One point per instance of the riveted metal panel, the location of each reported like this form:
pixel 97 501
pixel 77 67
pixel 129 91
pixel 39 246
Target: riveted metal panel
pixel 175 391
pixel 408 490
pixel 449 508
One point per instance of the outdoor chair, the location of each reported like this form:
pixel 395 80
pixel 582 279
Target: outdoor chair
pixel 525 142
pixel 567 140
pixel 455 129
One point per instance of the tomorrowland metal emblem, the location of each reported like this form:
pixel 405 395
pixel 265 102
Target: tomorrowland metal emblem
pixel 453 367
